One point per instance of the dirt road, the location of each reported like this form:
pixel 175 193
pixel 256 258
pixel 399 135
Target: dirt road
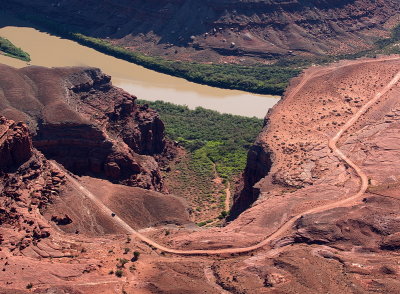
pixel 286 226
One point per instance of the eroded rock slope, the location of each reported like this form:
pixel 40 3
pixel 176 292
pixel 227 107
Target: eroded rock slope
pixel 45 222
pixel 79 119
pixel 221 30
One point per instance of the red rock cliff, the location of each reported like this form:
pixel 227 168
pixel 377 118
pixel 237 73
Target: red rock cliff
pixel 79 119
pixel 15 144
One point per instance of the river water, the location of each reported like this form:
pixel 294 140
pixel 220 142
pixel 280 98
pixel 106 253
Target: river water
pixel 51 51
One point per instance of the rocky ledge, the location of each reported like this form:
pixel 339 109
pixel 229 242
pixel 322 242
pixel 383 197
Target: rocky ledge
pixel 15 144
pixel 79 119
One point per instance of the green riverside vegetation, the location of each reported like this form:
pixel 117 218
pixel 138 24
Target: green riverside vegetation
pixel 213 139
pixel 262 79
pixel 9 49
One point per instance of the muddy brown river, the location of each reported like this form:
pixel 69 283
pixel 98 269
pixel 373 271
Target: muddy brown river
pixel 51 51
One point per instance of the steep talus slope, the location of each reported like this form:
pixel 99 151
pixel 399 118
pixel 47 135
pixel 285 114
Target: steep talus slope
pixel 81 120
pixel 199 30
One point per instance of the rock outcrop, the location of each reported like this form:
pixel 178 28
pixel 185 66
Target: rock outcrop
pixel 291 152
pixel 50 233
pixel 221 30
pixel 258 166
pixel 79 119
pixel 27 185
pixel 15 144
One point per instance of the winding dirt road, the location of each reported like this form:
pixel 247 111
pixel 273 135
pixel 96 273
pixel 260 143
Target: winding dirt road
pixel 286 226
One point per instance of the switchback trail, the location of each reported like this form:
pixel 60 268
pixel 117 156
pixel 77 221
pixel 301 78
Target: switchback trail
pixel 286 226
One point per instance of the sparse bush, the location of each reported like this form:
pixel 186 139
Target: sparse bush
pixel 223 215
pixel 119 273
pixel 29 286
pixel 126 250
pixel 135 257
pixel 201 224
pixel 122 262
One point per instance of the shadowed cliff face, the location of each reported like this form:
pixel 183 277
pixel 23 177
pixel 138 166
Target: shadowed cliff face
pixel 209 30
pixel 258 166
pixel 15 144
pixel 79 119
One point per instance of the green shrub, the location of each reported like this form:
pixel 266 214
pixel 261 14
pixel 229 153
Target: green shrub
pixel 122 262
pixel 119 273
pixel 223 215
pixel 135 257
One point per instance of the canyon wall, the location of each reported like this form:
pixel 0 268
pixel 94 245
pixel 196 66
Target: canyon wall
pixel 79 119
pixel 259 163
pixel 15 144
pixel 215 30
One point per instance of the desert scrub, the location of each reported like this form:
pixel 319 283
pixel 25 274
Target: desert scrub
pixel 135 257
pixel 122 262
pixel 9 49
